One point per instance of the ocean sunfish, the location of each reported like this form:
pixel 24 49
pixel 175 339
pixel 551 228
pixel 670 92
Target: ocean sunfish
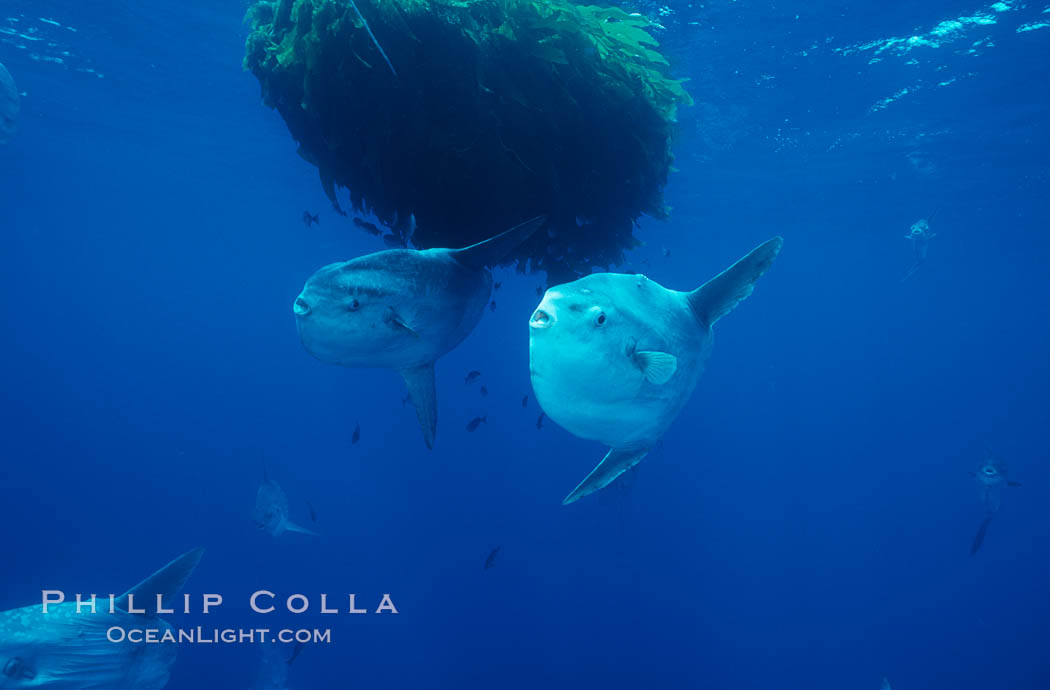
pixel 615 357
pixel 9 105
pixel 402 309
pixel 991 477
pixel 920 236
pixel 271 510
pixel 72 651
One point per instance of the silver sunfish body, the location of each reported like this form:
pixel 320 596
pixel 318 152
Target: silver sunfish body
pixel 63 649
pixel 920 237
pixel 991 477
pixel 615 357
pixel 271 510
pixel 402 309
pixel 9 105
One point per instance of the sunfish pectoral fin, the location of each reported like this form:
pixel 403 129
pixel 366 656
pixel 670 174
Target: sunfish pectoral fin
pixel 717 297
pixel 292 527
pixel 421 389
pixel 979 537
pixel 616 462
pixel 166 582
pixel 658 367
pixel 493 250
pixel 394 320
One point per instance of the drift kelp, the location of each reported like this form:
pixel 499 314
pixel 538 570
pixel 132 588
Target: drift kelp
pixel 475 114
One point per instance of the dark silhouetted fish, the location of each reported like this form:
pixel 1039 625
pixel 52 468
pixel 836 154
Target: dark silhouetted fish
pixel 539 420
pixel 313 513
pixel 525 401
pixel 667 252
pixel 491 560
pixel 356 435
pixel 309 219
pixel 9 105
pixel 370 228
pixel 991 478
pixel 492 306
pixel 473 424
pixel 472 377
pixel 484 391
pixel 497 285
pixel 539 291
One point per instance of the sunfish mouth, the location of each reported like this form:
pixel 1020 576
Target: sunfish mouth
pixel 301 308
pixel 541 319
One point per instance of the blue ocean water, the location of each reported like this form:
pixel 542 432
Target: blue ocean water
pixel 806 522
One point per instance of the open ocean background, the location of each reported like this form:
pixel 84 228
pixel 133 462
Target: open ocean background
pixel 807 521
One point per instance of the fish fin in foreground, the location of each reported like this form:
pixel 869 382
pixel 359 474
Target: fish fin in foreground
pixel 979 537
pixel 615 463
pixel 166 582
pixel 657 367
pixel 717 297
pixel 493 250
pixel 292 527
pixel 422 391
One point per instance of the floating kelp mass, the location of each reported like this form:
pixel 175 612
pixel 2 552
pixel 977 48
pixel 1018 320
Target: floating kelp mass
pixel 474 115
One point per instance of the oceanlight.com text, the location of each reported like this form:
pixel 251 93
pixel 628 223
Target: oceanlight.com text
pixel 200 635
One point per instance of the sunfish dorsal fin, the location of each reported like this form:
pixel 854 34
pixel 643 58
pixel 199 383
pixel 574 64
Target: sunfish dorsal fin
pixel 717 297
pixel 493 250
pixel 421 389
pixel 167 582
pixel 615 463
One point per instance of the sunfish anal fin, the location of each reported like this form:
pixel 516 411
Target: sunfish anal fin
pixel 421 389
pixel 717 297
pixel 292 527
pixel 616 462
pixel 658 367
pixel 167 582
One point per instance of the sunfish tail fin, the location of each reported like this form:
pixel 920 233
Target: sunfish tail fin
pixel 615 463
pixel 166 582
pixel 979 537
pixel 421 389
pixel 717 297
pixel 493 250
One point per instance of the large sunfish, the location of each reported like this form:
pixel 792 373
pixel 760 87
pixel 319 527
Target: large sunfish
pixel 402 309
pixel 69 650
pixel 991 477
pixel 615 357
pixel 9 106
pixel 271 513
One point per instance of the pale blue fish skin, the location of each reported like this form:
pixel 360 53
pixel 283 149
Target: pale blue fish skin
pixel 66 650
pixel 10 105
pixel 614 357
pixel 271 513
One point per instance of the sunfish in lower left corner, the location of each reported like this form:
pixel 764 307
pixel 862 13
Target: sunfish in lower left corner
pixel 271 510
pixel 63 649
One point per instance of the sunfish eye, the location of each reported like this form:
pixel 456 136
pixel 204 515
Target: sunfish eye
pixel 354 305
pixel 600 319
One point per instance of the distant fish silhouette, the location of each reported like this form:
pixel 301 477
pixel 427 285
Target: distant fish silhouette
pixel 492 305
pixel 667 252
pixel 370 228
pixel 309 219
pixel 473 424
pixel 313 513
pixel 525 401
pixel 356 436
pixel 271 510
pixel 491 560
pixel 539 420
pixel 539 291
pixel 472 377
pixel 920 236
pixel 497 285
pixel 991 478
pixel 484 391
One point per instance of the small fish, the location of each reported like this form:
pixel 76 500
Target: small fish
pixel 271 510
pixel 356 435
pixel 991 477
pixel 313 513
pixel 667 252
pixel 309 219
pixel 525 401
pixel 539 291
pixel 493 305
pixel 484 391
pixel 539 421
pixel 497 285
pixel 473 424
pixel 370 228
pixel 491 560
pixel 473 376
